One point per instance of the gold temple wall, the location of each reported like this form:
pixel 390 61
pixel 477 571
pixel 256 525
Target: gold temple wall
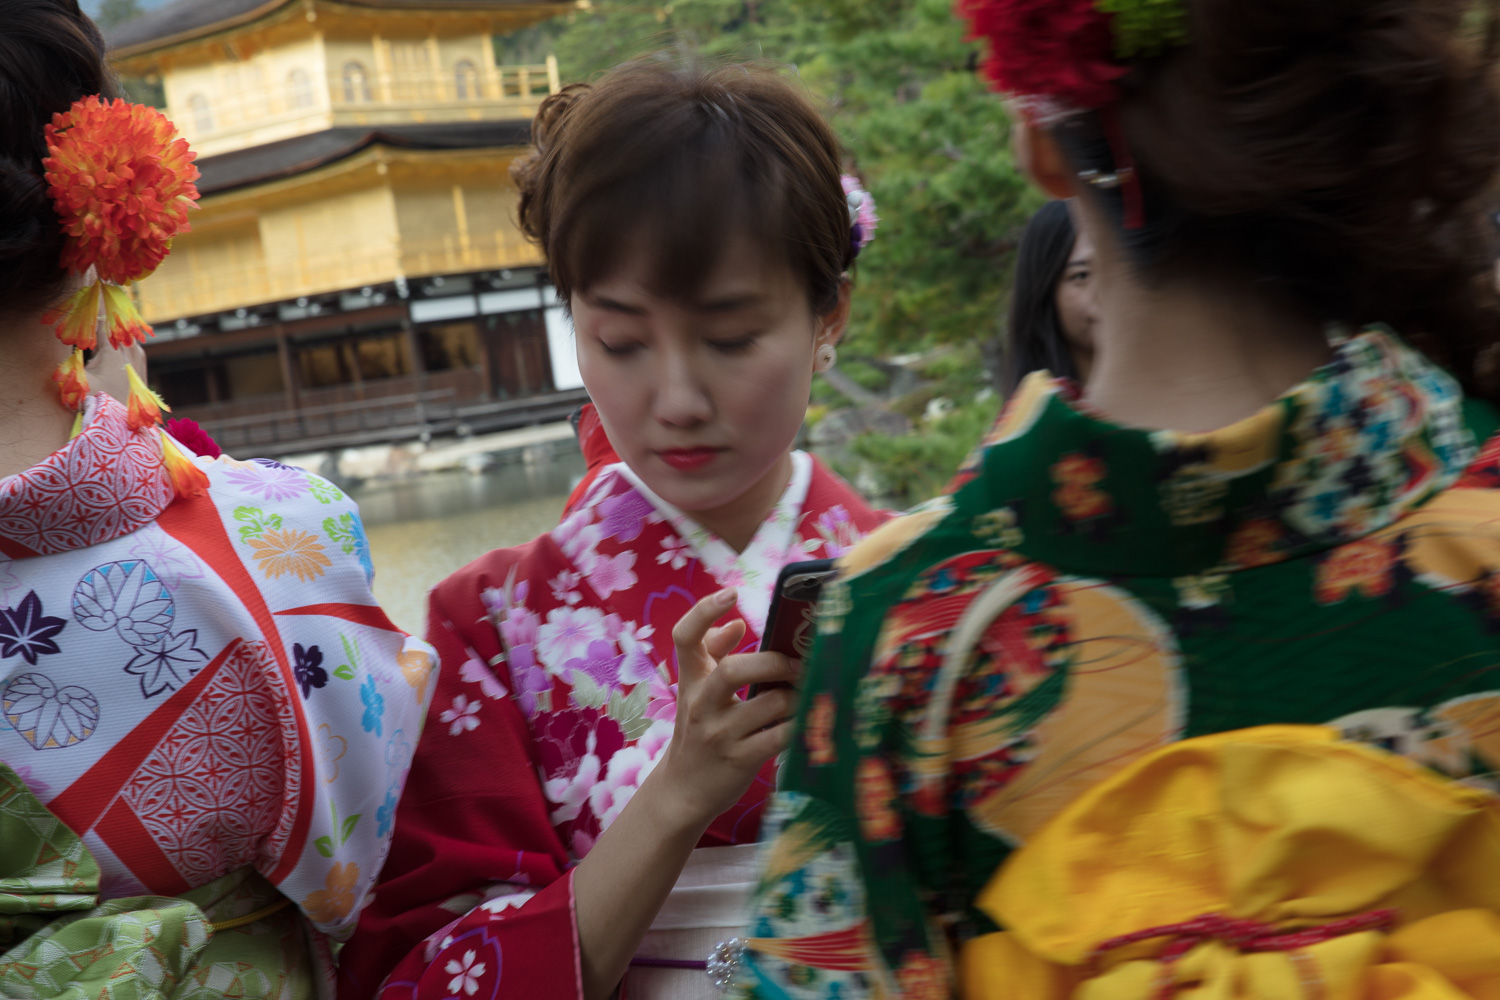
pixel 323 65
pixel 379 215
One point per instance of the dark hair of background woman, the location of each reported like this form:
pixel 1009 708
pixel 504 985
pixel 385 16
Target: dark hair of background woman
pixel 1035 335
pixel 50 56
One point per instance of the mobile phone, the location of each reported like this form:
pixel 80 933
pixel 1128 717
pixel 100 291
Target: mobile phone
pixel 790 624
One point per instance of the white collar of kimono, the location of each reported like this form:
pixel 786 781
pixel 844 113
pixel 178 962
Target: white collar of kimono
pixel 753 571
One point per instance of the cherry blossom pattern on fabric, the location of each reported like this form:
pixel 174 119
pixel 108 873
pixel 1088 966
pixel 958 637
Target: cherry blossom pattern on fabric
pixel 472 963
pixel 55 506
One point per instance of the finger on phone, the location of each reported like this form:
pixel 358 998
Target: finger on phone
pixel 769 741
pixel 722 641
pixel 692 628
pixel 768 708
pixel 744 669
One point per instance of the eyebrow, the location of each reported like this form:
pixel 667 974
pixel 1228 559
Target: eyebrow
pixel 614 305
pixel 1080 262
pixel 731 303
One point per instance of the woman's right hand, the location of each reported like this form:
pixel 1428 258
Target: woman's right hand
pixel 721 742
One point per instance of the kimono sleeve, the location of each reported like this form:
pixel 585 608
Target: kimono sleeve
pixel 477 895
pixel 349 688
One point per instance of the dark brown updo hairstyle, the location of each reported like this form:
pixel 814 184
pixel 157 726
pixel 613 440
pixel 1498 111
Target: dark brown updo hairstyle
pixel 673 161
pixel 1338 150
pixel 51 55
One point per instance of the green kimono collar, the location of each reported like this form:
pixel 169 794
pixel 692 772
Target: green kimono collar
pixel 1371 435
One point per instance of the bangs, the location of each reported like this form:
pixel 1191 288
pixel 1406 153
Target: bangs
pixel 663 170
pixel 680 204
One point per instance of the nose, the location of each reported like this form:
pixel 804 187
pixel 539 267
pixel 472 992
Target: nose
pixel 681 396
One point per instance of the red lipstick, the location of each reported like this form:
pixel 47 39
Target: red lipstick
pixel 685 459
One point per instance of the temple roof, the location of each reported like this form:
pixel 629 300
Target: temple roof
pixel 260 164
pixel 185 20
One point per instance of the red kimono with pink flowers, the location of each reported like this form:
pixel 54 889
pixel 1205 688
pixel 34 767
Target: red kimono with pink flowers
pixel 556 699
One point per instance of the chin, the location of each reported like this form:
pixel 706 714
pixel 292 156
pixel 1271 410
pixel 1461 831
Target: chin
pixel 695 497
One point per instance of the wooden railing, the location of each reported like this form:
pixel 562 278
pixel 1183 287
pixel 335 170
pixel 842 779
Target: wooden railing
pixel 188 290
pixel 445 94
pixel 385 419
pixel 354 420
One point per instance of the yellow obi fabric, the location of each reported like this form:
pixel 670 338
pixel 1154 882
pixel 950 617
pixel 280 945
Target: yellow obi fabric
pixel 1284 850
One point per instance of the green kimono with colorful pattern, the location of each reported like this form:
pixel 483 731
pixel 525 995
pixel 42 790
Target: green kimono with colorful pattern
pixel 1088 592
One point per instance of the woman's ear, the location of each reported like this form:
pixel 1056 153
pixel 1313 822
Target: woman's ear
pixel 831 324
pixel 1042 160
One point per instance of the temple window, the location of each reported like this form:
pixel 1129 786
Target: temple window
pixel 203 117
pixel 299 93
pixel 466 81
pixel 356 84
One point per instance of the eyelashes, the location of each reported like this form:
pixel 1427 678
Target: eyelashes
pixel 736 345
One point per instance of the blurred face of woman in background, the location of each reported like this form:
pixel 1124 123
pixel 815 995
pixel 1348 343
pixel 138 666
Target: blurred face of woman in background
pixel 1077 305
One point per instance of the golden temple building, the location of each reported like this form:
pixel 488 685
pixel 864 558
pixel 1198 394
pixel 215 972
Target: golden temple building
pixel 354 273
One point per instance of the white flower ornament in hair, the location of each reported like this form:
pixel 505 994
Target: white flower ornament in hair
pixel 862 218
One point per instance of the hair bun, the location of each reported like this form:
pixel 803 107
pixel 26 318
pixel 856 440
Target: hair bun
pixel 25 210
pixel 553 112
pixel 550 118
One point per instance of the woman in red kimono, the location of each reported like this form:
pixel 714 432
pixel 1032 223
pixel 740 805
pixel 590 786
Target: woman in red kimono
pixel 574 815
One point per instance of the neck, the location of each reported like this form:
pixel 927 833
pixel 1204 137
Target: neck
pixel 1197 355
pixel 34 422
pixel 737 521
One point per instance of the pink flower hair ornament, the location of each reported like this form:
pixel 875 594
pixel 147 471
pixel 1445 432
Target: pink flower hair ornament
pixel 863 221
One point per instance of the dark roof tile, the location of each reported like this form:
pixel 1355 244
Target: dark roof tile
pixel 185 19
pixel 260 164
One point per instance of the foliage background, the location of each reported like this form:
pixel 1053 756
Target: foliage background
pixel 900 83
pixel 899 80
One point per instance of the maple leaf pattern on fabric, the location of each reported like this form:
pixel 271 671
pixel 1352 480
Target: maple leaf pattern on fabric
pixel 26 632
pixel 167 663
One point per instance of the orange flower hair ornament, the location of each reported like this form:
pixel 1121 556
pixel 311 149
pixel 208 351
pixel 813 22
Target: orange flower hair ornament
pixel 143 411
pixel 122 184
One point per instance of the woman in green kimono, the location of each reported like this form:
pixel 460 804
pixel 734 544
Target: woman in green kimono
pixel 1274 503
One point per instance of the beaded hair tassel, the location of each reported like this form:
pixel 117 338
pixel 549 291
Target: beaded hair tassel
pixel 122 183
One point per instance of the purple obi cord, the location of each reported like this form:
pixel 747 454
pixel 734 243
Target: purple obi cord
pixel 668 963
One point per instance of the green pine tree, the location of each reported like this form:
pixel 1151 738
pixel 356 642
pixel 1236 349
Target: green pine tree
pixel 113 13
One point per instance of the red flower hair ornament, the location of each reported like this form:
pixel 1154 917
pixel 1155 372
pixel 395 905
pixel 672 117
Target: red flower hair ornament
pixel 122 183
pixel 1059 57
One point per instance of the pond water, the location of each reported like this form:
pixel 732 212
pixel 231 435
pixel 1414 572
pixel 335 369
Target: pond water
pixel 424 528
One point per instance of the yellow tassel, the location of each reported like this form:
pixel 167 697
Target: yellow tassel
pixel 144 408
pixel 187 479
pixel 72 381
pixel 77 425
pixel 76 322
pixel 121 318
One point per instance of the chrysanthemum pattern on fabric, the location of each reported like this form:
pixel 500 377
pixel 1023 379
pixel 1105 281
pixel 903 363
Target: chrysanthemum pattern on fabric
pixel 187 708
